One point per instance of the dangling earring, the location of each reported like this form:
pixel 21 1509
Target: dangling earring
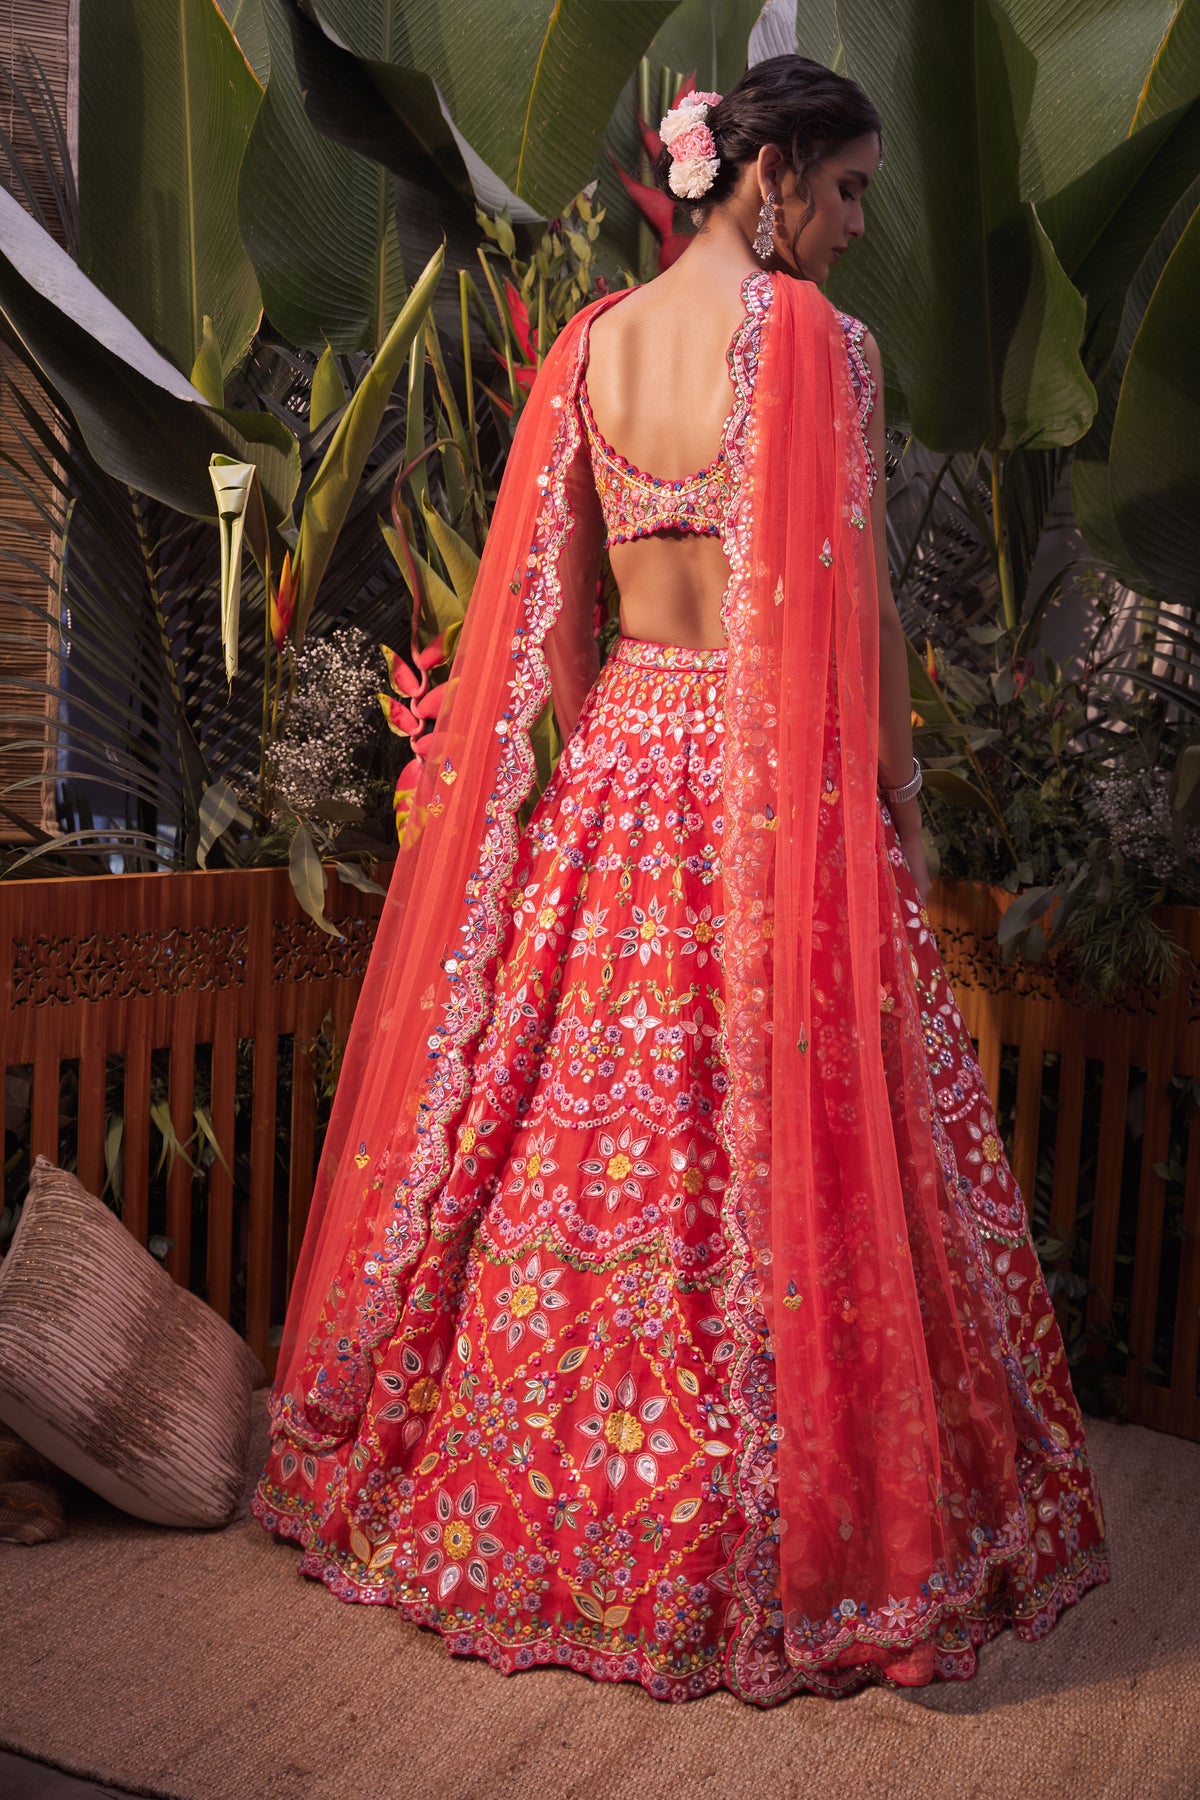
pixel 764 237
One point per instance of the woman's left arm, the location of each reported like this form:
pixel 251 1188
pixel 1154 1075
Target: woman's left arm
pixel 895 693
pixel 572 649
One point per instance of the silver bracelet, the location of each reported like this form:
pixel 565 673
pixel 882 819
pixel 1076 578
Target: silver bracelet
pixel 898 795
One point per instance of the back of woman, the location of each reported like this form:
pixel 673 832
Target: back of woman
pixel 668 1308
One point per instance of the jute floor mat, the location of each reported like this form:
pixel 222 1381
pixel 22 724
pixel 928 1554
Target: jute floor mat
pixel 201 1666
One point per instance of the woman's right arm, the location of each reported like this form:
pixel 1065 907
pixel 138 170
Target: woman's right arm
pixel 895 695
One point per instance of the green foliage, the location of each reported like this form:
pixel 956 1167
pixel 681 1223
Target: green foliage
pixel 318 219
pixel 166 103
pixel 533 107
pixel 1069 772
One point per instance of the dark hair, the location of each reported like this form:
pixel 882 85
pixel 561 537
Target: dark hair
pixel 803 107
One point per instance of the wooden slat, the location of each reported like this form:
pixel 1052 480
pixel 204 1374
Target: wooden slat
pixel 135 1144
pixel 1030 1069
pixel 1147 1255
pixel 220 1176
pixel 1185 1373
pixel 181 1085
pixel 45 1108
pixel 303 1128
pixel 1109 1161
pixel 1069 1125
pixel 93 1070
pixel 262 1133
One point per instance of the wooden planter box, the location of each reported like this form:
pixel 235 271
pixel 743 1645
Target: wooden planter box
pixel 223 970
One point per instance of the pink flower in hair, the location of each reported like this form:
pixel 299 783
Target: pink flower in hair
pixel 696 141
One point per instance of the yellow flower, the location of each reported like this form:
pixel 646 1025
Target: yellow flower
pixel 619 1166
pixel 468 1140
pixel 623 1432
pixel 422 1396
pixel 991 1148
pixel 458 1540
pixel 693 1181
pixel 523 1301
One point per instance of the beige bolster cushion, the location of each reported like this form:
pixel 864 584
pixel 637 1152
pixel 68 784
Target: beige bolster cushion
pixel 113 1371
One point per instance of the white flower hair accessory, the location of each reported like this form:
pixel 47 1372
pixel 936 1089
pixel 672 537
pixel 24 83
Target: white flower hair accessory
pixel 694 159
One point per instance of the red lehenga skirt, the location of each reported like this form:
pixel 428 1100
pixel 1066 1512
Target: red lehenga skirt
pixel 565 1458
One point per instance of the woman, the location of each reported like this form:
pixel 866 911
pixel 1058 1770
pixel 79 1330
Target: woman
pixel 668 1309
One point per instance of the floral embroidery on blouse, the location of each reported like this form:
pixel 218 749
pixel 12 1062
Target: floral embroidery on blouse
pixel 866 389
pixel 636 503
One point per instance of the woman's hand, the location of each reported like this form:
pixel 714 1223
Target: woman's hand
pixel 914 855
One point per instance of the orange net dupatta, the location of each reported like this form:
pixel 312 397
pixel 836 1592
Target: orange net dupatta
pixel 841 1280
pixel 829 1116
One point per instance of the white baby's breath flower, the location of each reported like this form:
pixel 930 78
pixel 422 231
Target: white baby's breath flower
pixel 692 176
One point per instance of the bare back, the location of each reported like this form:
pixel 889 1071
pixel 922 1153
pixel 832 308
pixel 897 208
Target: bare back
pixel 658 382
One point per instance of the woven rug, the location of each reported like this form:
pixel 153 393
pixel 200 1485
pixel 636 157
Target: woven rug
pixel 200 1665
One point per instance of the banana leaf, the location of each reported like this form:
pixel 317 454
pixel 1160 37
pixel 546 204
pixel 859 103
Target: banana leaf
pixel 249 28
pixel 143 422
pixel 166 102
pixel 318 220
pixel 1152 387
pixel 534 104
pixel 1154 461
pixel 979 323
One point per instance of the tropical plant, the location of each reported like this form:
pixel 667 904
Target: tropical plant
pixel 442 499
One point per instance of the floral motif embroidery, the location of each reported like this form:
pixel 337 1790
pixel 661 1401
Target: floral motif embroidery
pixel 531 1293
pixel 864 385
pixel 636 503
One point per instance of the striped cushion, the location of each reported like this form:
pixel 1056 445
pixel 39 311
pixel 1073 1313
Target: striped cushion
pixel 114 1372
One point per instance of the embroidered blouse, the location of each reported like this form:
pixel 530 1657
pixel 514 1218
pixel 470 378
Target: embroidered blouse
pixel 636 503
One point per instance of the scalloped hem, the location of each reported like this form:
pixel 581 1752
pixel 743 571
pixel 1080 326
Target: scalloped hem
pixel 600 1664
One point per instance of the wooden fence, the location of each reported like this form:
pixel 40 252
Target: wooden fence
pixel 1117 1087
pixel 224 974
pixel 216 985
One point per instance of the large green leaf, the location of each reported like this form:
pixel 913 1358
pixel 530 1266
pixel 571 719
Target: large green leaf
pixel 166 102
pixel 1105 220
pixel 143 422
pixel 530 84
pixel 394 117
pixel 979 321
pixel 1173 77
pixel 1089 61
pixel 1154 464
pixel 249 28
pixel 318 220
pixel 1092 492
pixel 785 29
pixel 1112 136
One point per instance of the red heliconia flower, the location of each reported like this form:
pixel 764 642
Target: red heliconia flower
pixel 283 603
pixel 434 654
pixel 657 208
pixel 400 718
pixel 523 331
pixel 401 676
